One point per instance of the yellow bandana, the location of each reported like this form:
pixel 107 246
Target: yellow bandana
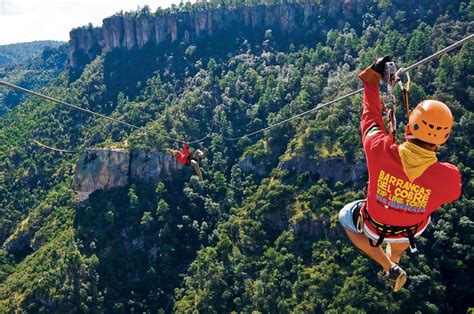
pixel 415 159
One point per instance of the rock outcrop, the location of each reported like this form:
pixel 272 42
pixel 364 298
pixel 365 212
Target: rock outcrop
pixel 335 169
pixel 152 166
pixel 247 165
pixel 291 23
pixel 102 169
pixel 135 31
pixel 84 45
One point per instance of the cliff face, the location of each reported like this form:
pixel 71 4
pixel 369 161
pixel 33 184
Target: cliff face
pixel 99 169
pixel 84 45
pixel 154 166
pixel 334 169
pixel 291 23
pixel 128 31
pixel 248 166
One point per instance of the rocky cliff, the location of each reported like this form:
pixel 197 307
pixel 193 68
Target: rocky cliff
pixel 99 169
pixel 335 169
pixel 248 165
pixel 84 44
pixel 286 20
pixel 135 31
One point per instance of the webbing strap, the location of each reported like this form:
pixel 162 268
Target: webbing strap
pixel 406 94
pixel 384 231
pixel 404 89
pixel 378 243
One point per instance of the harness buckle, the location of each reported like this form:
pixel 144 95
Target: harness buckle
pixel 384 231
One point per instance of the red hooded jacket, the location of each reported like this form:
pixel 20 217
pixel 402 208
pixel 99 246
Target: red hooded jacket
pixel 183 156
pixel 391 197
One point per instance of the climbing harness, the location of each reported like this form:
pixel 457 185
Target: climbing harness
pixel 385 230
pixel 357 218
pixel 361 215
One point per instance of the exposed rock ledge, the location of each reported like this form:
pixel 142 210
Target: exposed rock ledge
pixel 99 169
pixel 334 169
pixel 248 166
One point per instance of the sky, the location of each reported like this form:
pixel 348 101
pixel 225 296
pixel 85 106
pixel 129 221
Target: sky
pixel 29 20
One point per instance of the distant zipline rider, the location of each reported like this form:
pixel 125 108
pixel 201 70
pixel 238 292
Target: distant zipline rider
pixel 406 182
pixel 185 158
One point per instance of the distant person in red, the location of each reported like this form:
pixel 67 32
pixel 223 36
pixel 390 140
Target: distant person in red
pixel 185 158
pixel 407 183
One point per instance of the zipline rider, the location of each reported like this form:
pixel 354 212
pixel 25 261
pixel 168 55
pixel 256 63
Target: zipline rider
pixel 185 158
pixel 406 182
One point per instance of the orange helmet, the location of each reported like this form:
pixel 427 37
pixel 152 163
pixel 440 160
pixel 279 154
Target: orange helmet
pixel 431 121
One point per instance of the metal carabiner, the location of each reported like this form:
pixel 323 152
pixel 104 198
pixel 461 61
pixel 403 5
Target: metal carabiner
pixel 405 89
pixel 389 72
pixel 390 78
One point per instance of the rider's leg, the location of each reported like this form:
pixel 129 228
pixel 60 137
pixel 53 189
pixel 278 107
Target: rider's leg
pixel 375 253
pixel 197 169
pixel 346 218
pixel 395 250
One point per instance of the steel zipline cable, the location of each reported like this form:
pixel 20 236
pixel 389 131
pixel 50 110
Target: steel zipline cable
pixel 63 151
pixel 27 91
pixel 319 106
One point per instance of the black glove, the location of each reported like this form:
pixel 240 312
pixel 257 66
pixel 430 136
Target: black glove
pixel 386 68
pixel 379 65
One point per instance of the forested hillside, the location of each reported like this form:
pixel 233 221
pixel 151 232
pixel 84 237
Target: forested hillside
pixel 30 65
pixel 17 53
pixel 260 232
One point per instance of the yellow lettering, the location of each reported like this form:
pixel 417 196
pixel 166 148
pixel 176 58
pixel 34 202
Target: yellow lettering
pixel 399 183
pixel 425 198
pixel 380 184
pixel 393 180
pixel 417 197
pixel 401 193
pixel 383 185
